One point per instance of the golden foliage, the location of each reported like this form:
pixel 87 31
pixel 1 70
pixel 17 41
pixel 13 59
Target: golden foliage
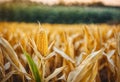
pixel 65 53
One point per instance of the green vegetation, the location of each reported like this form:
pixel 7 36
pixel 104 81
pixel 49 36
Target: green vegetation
pixel 33 67
pixel 59 14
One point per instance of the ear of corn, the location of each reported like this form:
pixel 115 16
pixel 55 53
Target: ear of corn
pixel 42 42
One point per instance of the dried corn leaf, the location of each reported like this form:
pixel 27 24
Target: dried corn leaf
pixel 55 73
pixel 76 75
pixel 10 54
pixel 50 55
pixel 79 58
pixel 86 74
pixel 51 45
pixel 35 49
pixel 94 72
pixel 63 54
pixel 63 77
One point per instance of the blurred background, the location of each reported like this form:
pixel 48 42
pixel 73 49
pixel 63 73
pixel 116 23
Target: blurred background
pixel 61 11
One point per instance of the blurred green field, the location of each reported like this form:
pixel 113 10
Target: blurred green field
pixel 59 14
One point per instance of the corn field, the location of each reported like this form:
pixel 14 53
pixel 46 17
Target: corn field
pixel 59 53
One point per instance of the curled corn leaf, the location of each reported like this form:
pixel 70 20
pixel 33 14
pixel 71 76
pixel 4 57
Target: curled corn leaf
pixel 63 54
pixel 55 73
pixel 77 74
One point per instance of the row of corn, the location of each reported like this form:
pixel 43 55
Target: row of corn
pixel 59 53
